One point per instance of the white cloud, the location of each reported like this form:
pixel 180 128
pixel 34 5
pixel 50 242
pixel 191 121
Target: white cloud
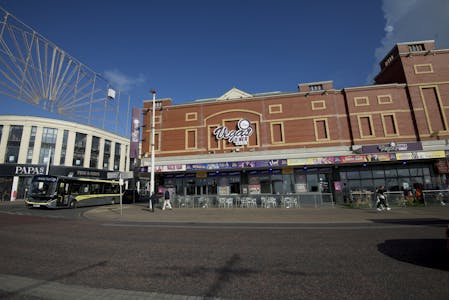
pixel 413 20
pixel 123 82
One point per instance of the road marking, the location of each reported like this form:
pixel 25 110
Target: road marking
pixel 357 226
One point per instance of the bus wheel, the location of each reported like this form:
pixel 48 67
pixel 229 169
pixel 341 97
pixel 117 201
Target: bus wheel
pixel 72 204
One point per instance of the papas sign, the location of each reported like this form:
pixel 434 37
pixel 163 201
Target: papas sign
pixel 238 137
pixel 29 170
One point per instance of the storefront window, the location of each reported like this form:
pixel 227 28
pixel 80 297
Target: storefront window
pixel 211 186
pixel 394 179
pixel 367 185
pixel 392 184
pixel 353 175
pixel 366 174
pixel 403 172
pixel 312 183
pixel 378 174
pixel 324 183
pixel 391 173
pixel 416 172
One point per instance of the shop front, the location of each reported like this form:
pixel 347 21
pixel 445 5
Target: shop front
pixel 340 177
pixel 16 178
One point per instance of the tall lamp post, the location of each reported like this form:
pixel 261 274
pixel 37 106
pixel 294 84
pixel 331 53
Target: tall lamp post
pixel 153 92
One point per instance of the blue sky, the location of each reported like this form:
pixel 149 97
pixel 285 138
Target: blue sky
pixel 188 50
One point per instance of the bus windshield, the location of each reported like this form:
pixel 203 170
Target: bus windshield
pixel 43 186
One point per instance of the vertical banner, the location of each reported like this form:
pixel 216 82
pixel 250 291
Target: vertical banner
pixel 135 134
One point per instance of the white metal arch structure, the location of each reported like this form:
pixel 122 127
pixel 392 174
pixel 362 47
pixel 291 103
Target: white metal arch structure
pixel 36 71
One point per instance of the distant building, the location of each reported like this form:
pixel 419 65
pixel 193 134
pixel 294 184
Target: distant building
pixel 317 139
pixel 26 143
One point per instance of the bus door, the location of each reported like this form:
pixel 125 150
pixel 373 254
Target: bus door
pixel 63 194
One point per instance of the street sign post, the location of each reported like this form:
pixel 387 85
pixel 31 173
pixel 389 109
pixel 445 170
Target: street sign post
pixel 121 176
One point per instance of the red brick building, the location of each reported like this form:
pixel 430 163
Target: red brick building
pixel 316 140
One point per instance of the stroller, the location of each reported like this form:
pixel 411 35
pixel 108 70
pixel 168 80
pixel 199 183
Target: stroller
pixel 381 202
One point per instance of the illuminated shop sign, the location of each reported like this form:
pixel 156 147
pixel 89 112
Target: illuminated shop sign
pixel 238 137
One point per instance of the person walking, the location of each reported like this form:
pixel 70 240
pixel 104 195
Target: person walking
pixel 166 200
pixel 381 202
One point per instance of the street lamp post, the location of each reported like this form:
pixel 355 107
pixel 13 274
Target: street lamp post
pixel 153 92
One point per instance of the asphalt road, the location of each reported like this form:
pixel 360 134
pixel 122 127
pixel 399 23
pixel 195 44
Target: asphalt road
pixel 307 261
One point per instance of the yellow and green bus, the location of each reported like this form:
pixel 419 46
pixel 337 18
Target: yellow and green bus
pixel 62 191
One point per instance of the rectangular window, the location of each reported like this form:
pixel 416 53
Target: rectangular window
pixel 31 144
pixel 321 129
pixel 319 104
pixel 275 108
pixel 106 154
pixel 94 152
pixel 65 137
pixel 191 139
pixel 423 68
pixel 365 126
pixel 80 149
pixel 253 139
pixel 384 99
pixel 315 87
pixel 157 144
pixel 277 133
pixel 416 47
pixel 388 60
pixel 48 145
pixel 435 111
pixel 361 101
pixel 389 123
pixel 117 156
pixel 213 142
pixel 193 116
pixel 13 145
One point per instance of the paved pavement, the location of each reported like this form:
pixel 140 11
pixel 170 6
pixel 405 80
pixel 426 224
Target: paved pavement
pixel 19 287
pixel 337 214
pixel 139 213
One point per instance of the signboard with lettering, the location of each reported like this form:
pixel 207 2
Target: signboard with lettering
pixel 238 137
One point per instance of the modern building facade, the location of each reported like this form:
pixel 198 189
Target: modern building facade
pixel 318 139
pixel 33 145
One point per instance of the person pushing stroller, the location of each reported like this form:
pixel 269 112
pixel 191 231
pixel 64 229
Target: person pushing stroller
pixel 381 201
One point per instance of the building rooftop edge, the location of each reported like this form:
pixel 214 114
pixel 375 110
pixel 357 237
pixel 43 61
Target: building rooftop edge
pixel 62 122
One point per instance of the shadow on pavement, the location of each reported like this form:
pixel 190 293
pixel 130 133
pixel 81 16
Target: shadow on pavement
pixel 430 253
pixel 437 222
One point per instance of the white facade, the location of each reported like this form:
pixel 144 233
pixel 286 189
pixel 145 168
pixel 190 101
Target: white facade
pixel 18 152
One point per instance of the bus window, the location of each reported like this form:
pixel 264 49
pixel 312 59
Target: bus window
pixel 61 189
pixel 108 188
pixel 95 188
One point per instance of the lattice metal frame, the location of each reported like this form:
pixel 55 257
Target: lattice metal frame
pixel 36 71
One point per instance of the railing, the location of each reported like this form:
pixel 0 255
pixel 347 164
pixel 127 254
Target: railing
pixel 429 198
pixel 255 201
